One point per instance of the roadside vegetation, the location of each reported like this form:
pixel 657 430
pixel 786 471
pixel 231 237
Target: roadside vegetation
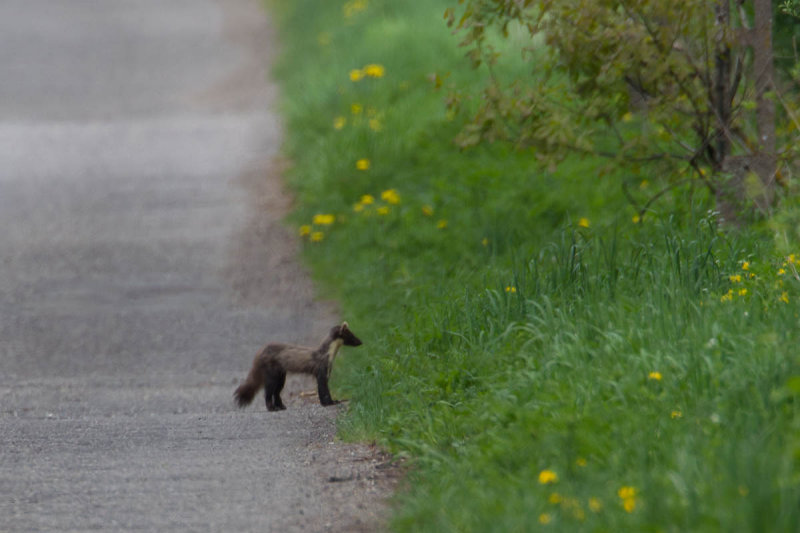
pixel 547 353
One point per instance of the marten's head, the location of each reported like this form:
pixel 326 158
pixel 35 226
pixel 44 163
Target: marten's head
pixel 343 332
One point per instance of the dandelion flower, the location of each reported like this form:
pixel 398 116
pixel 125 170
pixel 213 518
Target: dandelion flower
pixel 383 210
pixel 580 461
pixel 746 265
pixel 727 297
pixel 555 498
pixel 636 219
pixel 442 224
pixel 742 292
pixel 735 278
pixel 374 71
pixel 390 196
pixel 485 241
pixel 317 236
pixel 427 210
pixel 375 124
pixel 628 496
pixel 511 289
pixel 627 117
pixel 367 199
pixel 629 504
pixel 358 207
pixel 784 297
pixel 339 123
pixel 654 375
pixel 595 505
pixel 323 220
pixel 545 519
pixel 675 414
pixel 356 109
pixel 781 271
pixel 305 229
pixel 583 222
pixel 356 74
pixel 363 164
pixel 547 477
pixel 353 7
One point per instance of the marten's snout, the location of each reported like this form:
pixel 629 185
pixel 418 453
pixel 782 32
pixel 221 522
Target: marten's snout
pixel 351 340
pixel 348 338
pixel 343 332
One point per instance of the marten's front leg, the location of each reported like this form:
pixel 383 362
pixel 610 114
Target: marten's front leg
pixel 322 388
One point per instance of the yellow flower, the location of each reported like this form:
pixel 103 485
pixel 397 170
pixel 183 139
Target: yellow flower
pixel 356 109
pixel 353 7
pixel 742 292
pixel 317 236
pixel 727 297
pixel 383 210
pixel 781 271
pixel 511 289
pixel 374 71
pixel 791 258
pixel 547 477
pixel 305 229
pixel 583 222
pixel 390 196
pixel 636 219
pixel 545 518
pixel 442 224
pixel 485 241
pixel 784 297
pixel 427 210
pixel 362 164
pixel 644 184
pixel 580 461
pixel 339 123
pixel 356 74
pixel 654 375
pixel 627 117
pixel 628 496
pixel 735 278
pixel 358 207
pixel 375 124
pixel 323 220
pixel 629 504
pixel 367 199
pixel 746 265
pixel 595 504
pixel 554 498
pixel 675 414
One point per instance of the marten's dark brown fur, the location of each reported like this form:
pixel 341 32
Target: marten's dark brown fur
pixel 273 362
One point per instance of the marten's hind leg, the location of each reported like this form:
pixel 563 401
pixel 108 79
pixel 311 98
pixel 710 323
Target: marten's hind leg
pixel 279 382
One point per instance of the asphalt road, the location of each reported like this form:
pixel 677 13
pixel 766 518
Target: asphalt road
pixel 142 264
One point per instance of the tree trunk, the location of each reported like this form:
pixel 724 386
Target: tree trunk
pixel 763 70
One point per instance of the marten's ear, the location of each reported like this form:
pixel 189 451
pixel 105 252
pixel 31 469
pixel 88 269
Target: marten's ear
pixel 344 327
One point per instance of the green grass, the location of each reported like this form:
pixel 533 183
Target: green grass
pixel 502 339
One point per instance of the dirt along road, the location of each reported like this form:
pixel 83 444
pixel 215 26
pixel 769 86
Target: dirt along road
pixel 142 265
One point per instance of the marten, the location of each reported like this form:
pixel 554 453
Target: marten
pixel 274 360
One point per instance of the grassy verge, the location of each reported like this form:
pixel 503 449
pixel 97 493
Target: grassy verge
pixel 545 361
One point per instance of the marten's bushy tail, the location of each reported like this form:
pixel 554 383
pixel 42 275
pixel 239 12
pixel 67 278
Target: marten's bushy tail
pixel 247 391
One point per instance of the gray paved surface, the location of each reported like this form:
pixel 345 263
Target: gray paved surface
pixel 142 264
